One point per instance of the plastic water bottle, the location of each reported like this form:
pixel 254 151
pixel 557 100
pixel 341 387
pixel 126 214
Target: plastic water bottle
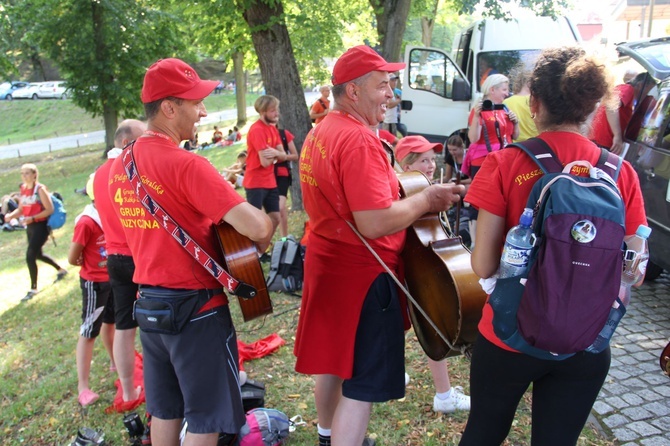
pixel 518 244
pixel 635 262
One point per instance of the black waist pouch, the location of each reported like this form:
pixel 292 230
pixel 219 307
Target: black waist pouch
pixel 164 310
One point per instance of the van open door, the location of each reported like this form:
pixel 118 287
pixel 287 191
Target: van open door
pixel 434 90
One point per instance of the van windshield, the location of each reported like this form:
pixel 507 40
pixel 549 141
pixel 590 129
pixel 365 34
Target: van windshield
pixel 502 62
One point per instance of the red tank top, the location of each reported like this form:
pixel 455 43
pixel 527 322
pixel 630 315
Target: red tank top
pixel 30 201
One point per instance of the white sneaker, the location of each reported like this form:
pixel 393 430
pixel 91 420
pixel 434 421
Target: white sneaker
pixel 456 401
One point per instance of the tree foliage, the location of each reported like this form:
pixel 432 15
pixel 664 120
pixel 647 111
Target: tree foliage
pixel 103 48
pixel 501 8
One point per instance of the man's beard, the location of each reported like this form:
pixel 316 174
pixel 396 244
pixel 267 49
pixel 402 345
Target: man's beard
pixel 271 120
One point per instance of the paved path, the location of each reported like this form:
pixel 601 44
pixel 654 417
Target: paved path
pixel 67 142
pixel 634 404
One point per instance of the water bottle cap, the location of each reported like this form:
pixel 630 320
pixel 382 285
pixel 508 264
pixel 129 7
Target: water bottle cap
pixel 643 231
pixel 527 217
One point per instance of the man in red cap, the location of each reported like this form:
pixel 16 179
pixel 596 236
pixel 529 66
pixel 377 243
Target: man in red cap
pixel 351 328
pixel 192 373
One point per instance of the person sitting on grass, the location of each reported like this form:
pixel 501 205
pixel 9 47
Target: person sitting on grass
pixel 235 172
pixel 88 251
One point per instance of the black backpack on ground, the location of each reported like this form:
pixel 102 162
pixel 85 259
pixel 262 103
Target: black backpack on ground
pixel 286 266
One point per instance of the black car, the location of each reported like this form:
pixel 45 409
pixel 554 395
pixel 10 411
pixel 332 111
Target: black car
pixel 648 137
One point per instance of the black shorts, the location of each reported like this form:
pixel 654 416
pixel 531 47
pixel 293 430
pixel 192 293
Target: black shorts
pixel 97 306
pixel 283 183
pixel 379 353
pixel 194 374
pixel 267 199
pixel 121 269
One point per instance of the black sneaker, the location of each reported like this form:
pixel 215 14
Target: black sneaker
pixel 29 295
pixel 88 437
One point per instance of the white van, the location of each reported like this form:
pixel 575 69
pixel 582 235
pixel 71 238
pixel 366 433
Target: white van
pixel 438 91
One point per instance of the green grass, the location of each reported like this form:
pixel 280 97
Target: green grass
pixel 25 120
pixel 38 398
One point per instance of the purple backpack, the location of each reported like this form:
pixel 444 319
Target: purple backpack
pixel 561 304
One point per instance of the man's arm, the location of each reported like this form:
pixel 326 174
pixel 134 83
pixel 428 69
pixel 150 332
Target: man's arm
pixel 490 235
pixel 252 223
pixel 74 254
pixel 313 114
pixel 380 222
pixel 615 125
pixel 269 156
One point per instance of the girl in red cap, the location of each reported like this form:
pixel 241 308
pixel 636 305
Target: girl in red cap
pixel 417 153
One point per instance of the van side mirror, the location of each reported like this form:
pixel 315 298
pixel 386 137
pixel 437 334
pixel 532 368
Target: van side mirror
pixel 405 105
pixel 460 89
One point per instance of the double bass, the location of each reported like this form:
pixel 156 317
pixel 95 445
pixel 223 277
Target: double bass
pixel 441 281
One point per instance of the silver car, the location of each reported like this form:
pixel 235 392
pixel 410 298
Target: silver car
pixel 53 89
pixel 29 92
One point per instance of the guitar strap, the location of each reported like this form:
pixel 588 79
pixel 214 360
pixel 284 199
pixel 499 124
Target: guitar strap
pixel 164 220
pixel 388 270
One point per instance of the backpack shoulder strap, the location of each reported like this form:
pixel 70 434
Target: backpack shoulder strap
pixel 291 250
pixel 610 163
pixel 284 141
pixel 541 153
pixel 322 104
pixel 275 257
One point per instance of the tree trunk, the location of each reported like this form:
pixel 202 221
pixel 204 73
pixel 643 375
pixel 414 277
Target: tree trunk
pixel 427 25
pixel 240 88
pixel 427 30
pixel 36 62
pixel 391 18
pixel 280 75
pixel 109 113
pixel 111 120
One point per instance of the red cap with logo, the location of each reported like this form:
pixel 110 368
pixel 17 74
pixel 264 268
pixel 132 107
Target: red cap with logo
pixel 360 60
pixel 174 77
pixel 415 144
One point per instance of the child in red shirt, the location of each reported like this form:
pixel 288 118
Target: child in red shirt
pixel 88 251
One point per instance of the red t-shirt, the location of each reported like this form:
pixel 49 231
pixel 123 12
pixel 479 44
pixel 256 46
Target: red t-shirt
pixel 260 137
pixel 282 170
pixel 191 191
pixel 343 168
pixel 30 201
pixel 387 136
pixel 506 178
pixel 111 225
pixel 601 133
pixel 318 107
pixel 89 234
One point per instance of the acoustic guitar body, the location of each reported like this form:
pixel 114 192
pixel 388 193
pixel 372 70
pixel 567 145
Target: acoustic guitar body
pixel 439 277
pixel 241 260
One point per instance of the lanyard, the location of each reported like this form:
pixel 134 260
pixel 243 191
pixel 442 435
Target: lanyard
pixel 164 220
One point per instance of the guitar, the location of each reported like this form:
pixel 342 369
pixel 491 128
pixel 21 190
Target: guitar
pixel 665 359
pixel 241 262
pixel 441 280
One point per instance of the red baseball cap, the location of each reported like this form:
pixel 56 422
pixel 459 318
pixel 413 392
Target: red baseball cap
pixel 360 60
pixel 414 144
pixel 174 77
